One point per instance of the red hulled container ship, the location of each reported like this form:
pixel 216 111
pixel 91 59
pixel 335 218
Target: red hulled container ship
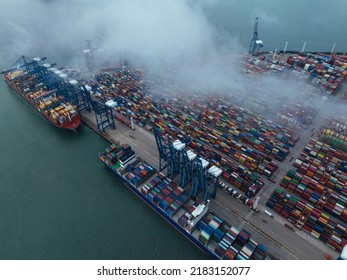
pixel 42 87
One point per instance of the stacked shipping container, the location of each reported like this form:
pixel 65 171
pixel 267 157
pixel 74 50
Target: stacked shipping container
pixel 316 222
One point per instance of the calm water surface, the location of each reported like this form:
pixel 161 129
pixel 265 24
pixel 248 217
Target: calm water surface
pixel 57 201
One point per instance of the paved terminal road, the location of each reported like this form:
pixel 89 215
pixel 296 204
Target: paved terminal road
pixel 142 141
pixel 281 242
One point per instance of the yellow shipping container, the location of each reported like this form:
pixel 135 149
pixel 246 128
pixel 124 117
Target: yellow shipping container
pixel 315 233
pixel 319 143
pixel 242 159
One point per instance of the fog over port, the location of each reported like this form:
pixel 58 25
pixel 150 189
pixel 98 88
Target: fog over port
pixel 59 27
pixel 263 136
pixel 202 40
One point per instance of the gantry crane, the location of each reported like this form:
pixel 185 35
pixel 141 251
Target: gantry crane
pixel 190 167
pixel 186 167
pixel 256 44
pixel 79 96
pixel 199 176
pixel 213 175
pixel 174 158
pixel 103 113
pixel 163 152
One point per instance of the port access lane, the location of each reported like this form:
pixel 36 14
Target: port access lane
pixel 277 249
pixel 281 242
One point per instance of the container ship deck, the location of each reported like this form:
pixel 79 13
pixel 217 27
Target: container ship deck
pixel 201 226
pixel 40 86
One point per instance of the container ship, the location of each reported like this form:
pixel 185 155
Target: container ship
pixel 42 87
pixel 201 226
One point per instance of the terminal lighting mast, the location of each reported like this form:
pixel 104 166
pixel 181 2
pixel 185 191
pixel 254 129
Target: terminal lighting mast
pixel 285 48
pixel 333 48
pixel 303 47
pixel 256 44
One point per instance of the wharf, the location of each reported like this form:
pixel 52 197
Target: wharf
pixel 281 242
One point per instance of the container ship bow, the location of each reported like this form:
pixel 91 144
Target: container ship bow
pixel 45 89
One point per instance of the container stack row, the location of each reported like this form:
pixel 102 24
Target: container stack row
pixel 188 209
pixel 238 245
pixel 315 193
pixel 324 164
pixel 210 229
pixel 111 154
pixel 332 157
pixel 320 178
pixel 316 223
pixel 322 70
pixel 263 133
pixel 337 124
pixel 62 113
pixel 164 193
pixel 247 184
pixel 242 120
pixel 251 158
pixel 321 174
pixel 233 133
pixel 335 139
pixel 325 72
pixel 239 126
pixel 124 83
pixel 334 132
pixel 139 173
pixel 245 156
pixel 262 140
pixel 266 166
